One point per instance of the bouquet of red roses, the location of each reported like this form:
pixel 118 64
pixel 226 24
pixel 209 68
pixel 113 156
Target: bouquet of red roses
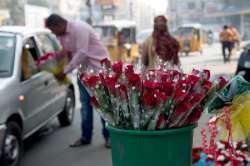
pixel 152 100
pixel 53 63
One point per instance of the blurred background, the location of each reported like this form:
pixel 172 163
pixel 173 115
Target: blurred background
pixel 195 23
pixel 210 13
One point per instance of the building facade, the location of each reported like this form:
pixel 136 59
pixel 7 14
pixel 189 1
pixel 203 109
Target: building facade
pixel 185 11
pixel 213 14
pixel 109 8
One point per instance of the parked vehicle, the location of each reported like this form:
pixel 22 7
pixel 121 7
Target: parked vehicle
pixel 119 36
pixel 191 38
pixel 28 101
pixel 243 67
pixel 142 36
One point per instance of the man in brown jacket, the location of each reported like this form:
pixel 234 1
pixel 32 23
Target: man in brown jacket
pixel 226 39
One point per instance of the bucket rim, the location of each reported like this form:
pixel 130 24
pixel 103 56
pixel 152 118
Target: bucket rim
pixel 171 131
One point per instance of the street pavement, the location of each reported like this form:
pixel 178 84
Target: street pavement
pixel 50 147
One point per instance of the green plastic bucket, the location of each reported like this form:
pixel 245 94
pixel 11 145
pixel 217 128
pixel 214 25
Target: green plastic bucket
pixel 171 147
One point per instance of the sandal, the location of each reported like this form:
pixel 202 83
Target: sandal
pixel 80 142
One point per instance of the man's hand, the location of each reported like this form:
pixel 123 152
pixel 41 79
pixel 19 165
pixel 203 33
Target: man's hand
pixel 62 53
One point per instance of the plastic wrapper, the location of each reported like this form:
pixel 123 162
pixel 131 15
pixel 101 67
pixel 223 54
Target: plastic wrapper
pixel 54 65
pixel 152 100
pixel 240 117
pixel 237 86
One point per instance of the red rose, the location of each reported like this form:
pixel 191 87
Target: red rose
pixel 110 82
pixel 106 62
pixel 164 76
pixel 161 96
pixel 180 95
pixel 134 79
pixel 179 113
pixel 222 82
pixel 111 79
pixel 196 98
pixel 117 67
pixel 193 79
pixel 167 87
pixel 195 116
pixel 151 85
pixel 236 162
pixel 182 108
pixel 207 74
pixel 174 73
pixel 83 76
pixel 207 85
pixel 123 92
pixel 129 69
pixel 94 102
pixel 183 84
pixel 148 99
pixel 47 56
pixel 91 81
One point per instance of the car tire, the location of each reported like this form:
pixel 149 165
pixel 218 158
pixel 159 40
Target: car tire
pixel 66 117
pixel 13 145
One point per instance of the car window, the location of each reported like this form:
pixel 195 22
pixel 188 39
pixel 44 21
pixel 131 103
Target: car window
pixel 185 31
pixel 7 53
pixel 56 44
pixel 28 60
pixel 105 34
pixel 47 43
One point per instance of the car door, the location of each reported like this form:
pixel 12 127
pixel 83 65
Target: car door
pixel 57 92
pixel 33 84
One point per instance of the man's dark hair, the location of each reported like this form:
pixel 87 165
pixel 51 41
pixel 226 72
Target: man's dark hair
pixel 225 27
pixel 55 20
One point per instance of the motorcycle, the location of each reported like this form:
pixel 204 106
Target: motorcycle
pixel 243 67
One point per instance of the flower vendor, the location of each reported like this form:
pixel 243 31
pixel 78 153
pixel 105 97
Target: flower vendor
pixel 80 41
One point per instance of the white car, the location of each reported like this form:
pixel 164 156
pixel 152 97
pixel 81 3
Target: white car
pixel 29 100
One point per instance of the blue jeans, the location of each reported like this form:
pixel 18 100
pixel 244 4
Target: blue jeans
pixel 87 115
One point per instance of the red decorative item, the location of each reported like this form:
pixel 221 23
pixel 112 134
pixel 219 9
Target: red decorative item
pixel 117 67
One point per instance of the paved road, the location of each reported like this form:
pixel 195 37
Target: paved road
pixel 50 147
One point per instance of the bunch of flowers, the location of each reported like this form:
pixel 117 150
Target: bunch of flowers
pixel 152 100
pixel 54 62
pixel 220 153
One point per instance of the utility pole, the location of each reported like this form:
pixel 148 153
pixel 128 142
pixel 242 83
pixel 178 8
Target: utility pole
pixel 89 4
pixel 131 10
